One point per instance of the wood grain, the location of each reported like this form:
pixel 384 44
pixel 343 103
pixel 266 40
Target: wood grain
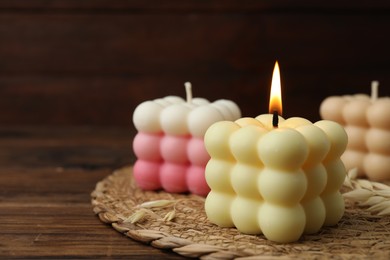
pixel 91 62
pixel 46 176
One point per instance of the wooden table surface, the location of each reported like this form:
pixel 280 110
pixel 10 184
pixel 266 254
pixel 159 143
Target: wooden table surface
pixel 46 177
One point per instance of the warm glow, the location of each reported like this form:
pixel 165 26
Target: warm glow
pixel 275 99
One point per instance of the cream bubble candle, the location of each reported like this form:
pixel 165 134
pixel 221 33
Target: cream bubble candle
pixel 169 144
pixel 367 122
pixel 276 177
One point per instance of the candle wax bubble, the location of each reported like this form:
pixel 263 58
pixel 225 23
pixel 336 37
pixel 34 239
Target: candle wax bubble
pixel 173 177
pixel 378 141
pixel 354 112
pixel 284 149
pixel 174 119
pixel 162 102
pixel 174 99
pixel 196 152
pixel 146 117
pixel 378 114
pixel 200 101
pixel 174 149
pixel 266 120
pixel 244 181
pixel 147 146
pixel 291 186
pixel 233 108
pixel 316 181
pixel 217 207
pixel 223 110
pixel 196 181
pixel 245 215
pixel 336 135
pixel 218 175
pixel 334 208
pixel 249 121
pixel 331 108
pixel 201 118
pixel 377 166
pixel 354 159
pixel 336 175
pixel 317 141
pixel 294 122
pixel 356 137
pixel 286 224
pixel 243 144
pixel 362 97
pixel 216 139
pixel 147 174
pixel 315 215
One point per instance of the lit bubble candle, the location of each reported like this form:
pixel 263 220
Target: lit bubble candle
pixel 276 177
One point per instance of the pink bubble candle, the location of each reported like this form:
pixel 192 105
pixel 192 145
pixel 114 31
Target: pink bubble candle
pixel 169 144
pixel 367 122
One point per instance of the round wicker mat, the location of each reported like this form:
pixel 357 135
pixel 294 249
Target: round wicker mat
pixel 178 222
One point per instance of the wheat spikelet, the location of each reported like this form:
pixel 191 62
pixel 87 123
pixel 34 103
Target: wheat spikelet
pixel 374 196
pixel 170 215
pixel 358 194
pixel 157 204
pixel 136 217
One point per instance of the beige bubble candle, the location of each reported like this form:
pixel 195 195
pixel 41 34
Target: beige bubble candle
pixel 367 122
pixel 276 177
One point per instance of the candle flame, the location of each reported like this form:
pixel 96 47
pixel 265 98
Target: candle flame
pixel 275 99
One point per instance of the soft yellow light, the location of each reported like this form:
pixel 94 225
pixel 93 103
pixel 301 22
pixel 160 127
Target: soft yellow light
pixel 275 99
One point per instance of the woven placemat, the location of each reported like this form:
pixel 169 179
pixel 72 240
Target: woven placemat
pixel 178 222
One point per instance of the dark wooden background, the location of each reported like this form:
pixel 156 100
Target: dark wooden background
pixel 76 69
pixel 90 62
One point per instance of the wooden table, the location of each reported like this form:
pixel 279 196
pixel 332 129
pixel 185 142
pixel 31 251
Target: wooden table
pixel 46 177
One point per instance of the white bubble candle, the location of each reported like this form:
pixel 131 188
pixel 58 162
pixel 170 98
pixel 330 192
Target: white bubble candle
pixel 276 177
pixel 367 122
pixel 169 144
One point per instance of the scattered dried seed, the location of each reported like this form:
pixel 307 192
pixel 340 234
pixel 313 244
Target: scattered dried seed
pixel 380 206
pixel 384 193
pixel 353 173
pixel 170 215
pixel 374 195
pixel 137 216
pixel 157 204
pixel 384 212
pixel 381 186
pixel 372 201
pixel 358 195
pixel 365 184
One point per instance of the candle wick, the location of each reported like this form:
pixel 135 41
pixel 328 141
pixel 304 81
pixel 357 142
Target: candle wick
pixel 188 87
pixel 275 119
pixel 374 90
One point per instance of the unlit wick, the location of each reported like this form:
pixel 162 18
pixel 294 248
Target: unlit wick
pixel 188 87
pixel 374 90
pixel 275 119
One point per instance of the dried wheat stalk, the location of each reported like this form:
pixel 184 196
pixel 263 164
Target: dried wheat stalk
pixel 146 209
pixel 374 196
